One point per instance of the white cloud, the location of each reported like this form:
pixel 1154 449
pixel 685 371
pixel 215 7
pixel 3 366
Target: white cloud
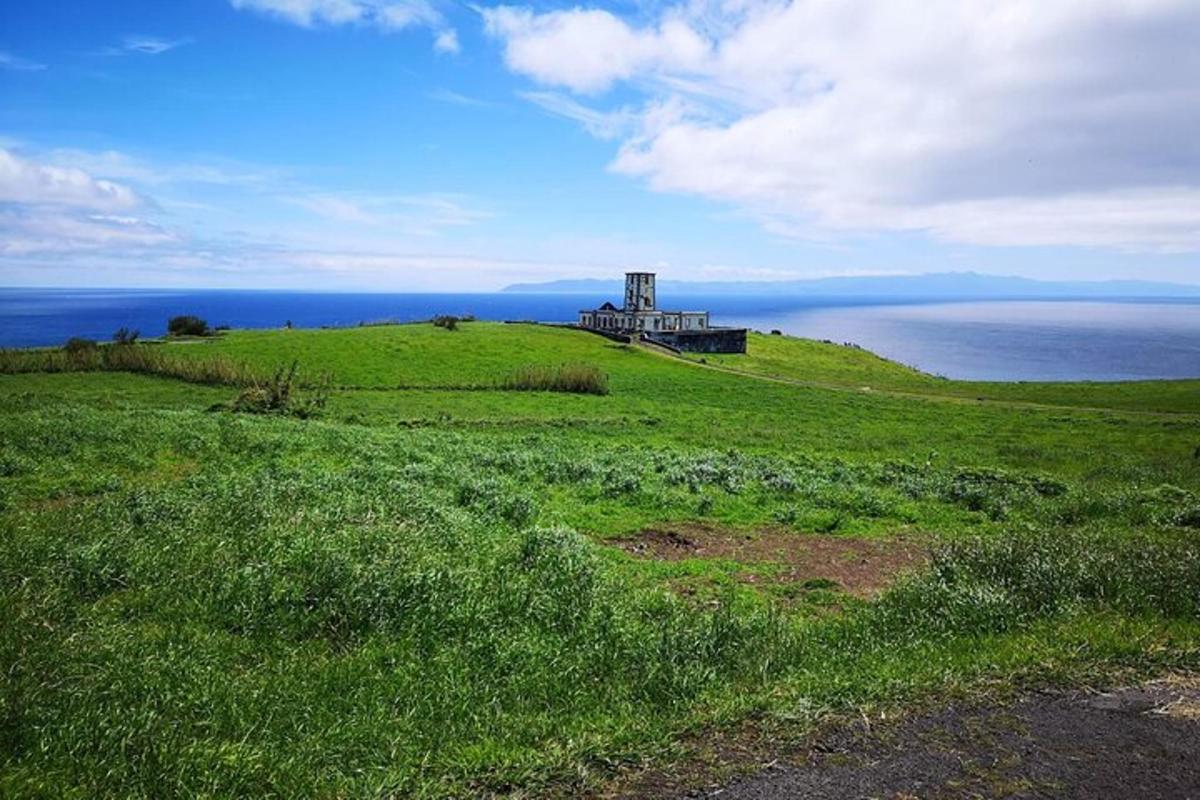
pixel 386 15
pixel 587 50
pixel 146 45
pixel 447 41
pixel 29 182
pixel 411 215
pixel 75 216
pixel 119 166
pixel 458 99
pixel 1005 122
pixel 59 231
pixel 601 124
pixel 49 208
pixel 13 62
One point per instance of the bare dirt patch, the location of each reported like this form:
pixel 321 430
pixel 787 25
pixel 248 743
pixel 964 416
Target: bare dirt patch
pixel 860 566
pixel 1138 741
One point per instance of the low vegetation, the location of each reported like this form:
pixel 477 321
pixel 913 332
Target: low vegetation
pixel 279 394
pixel 84 355
pixel 450 322
pixel 188 325
pixel 125 335
pixel 824 363
pixel 430 592
pixel 572 378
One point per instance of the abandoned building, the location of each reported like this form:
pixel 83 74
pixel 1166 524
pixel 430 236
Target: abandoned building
pixel 688 331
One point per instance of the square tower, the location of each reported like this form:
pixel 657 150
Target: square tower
pixel 639 291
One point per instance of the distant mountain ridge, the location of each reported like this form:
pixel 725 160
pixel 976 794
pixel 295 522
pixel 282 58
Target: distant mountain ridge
pixel 930 285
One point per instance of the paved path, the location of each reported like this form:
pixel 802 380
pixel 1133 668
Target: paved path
pixel 1139 743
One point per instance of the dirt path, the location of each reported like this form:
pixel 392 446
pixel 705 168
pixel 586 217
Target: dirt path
pixel 856 565
pixel 1141 742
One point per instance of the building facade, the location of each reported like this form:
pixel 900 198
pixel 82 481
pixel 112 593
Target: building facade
pixel 640 313
pixel 640 317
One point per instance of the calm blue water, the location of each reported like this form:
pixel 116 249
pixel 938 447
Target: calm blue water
pixel 1003 340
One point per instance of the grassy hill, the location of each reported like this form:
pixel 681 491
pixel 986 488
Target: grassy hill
pixel 823 364
pixel 439 587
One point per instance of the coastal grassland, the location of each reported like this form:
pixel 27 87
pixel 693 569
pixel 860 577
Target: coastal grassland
pixel 475 354
pixel 654 399
pixel 421 593
pixel 822 363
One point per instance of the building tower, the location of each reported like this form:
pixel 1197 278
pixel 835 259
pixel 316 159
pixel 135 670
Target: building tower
pixel 639 291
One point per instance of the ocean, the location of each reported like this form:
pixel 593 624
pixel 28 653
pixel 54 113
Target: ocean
pixel 972 340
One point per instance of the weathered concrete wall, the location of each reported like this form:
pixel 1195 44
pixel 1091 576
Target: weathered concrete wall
pixel 713 340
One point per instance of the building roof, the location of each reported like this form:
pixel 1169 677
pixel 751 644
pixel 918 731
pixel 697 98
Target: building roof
pixel 607 307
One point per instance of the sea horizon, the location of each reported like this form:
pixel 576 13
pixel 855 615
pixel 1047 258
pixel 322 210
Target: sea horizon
pixel 1006 339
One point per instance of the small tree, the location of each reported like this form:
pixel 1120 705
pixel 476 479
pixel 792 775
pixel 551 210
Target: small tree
pixel 125 335
pixel 187 325
pixel 446 321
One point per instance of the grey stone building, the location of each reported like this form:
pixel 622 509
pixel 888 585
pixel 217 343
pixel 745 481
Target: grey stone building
pixel 640 317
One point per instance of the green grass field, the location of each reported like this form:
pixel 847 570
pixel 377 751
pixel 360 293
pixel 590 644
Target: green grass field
pixel 821 364
pixel 432 589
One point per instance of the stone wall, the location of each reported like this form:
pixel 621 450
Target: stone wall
pixel 713 340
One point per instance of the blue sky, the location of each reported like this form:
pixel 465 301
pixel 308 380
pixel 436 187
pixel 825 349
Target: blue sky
pixel 417 144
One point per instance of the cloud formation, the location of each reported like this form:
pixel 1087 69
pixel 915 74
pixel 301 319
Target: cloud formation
pixel 386 15
pixel 409 215
pixel 27 182
pixel 1001 122
pixel 447 41
pixel 93 213
pixel 14 62
pixel 601 124
pixel 47 208
pixel 145 45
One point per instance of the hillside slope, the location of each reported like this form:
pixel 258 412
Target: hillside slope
pixel 440 588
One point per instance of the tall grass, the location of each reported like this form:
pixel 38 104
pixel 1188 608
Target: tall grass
pixel 336 611
pixel 144 359
pixel 278 395
pixel 571 378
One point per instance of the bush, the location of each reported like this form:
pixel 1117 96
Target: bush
pixel 187 325
pixel 447 321
pixel 77 344
pixel 126 336
pixel 571 378
pixel 277 395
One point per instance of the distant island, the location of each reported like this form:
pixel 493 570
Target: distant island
pixel 960 285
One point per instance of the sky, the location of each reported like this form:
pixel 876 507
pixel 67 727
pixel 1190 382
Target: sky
pixel 428 145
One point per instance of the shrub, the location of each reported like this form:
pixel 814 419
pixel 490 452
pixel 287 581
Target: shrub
pixel 187 325
pixel 78 344
pixel 126 336
pixel 571 378
pixel 81 354
pixel 447 321
pixel 278 395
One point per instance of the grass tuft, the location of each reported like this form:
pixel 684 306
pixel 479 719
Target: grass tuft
pixel 278 395
pixel 569 378
pixel 141 359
